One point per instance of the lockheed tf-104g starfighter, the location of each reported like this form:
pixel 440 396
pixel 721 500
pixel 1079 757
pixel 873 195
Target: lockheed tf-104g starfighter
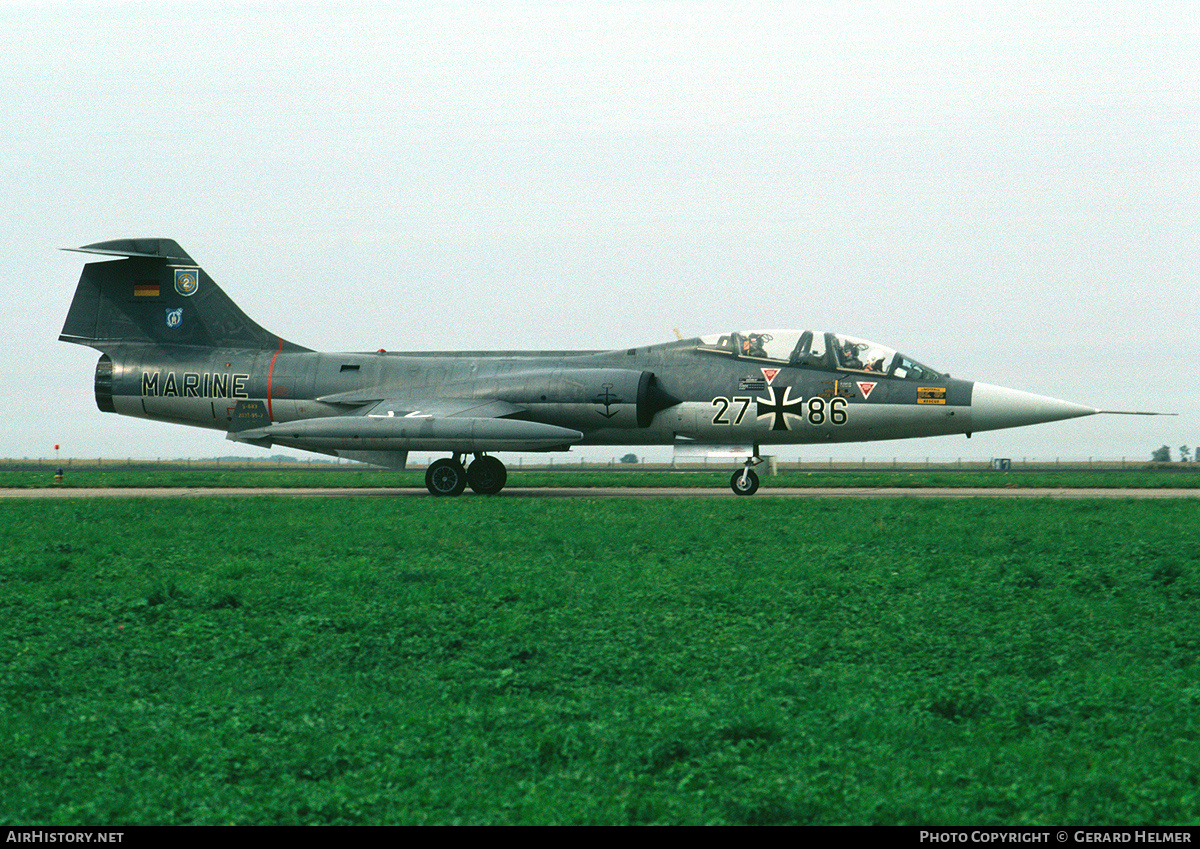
pixel 175 348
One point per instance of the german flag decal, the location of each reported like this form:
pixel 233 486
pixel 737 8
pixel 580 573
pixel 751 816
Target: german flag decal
pixel 931 395
pixel 145 290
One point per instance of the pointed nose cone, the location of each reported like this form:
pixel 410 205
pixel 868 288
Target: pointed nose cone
pixel 994 407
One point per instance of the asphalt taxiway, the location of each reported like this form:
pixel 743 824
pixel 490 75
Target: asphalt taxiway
pixel 604 492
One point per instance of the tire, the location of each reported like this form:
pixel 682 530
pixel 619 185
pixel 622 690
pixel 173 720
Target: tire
pixel 749 487
pixel 446 477
pixel 487 475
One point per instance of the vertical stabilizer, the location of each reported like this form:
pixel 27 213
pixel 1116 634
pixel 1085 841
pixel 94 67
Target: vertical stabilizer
pixel 157 294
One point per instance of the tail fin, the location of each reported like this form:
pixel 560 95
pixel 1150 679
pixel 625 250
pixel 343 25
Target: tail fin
pixel 157 294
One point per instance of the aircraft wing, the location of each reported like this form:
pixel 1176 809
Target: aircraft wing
pixel 460 426
pixel 443 408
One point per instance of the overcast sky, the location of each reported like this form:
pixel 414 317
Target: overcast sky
pixel 1005 191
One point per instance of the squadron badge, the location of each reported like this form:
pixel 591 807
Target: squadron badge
pixel 174 317
pixel 187 281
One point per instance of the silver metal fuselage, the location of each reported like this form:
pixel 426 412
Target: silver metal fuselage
pixel 176 348
pixel 662 394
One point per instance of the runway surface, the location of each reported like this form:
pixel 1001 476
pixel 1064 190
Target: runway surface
pixel 603 492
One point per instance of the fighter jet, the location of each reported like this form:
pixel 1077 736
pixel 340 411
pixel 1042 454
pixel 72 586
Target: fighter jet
pixel 175 348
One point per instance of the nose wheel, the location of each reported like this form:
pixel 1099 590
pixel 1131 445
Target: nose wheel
pixel 745 482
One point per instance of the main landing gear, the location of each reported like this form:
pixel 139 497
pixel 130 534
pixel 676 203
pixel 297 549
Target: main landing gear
pixel 486 475
pixel 745 482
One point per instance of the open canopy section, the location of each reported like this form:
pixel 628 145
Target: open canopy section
pixel 818 349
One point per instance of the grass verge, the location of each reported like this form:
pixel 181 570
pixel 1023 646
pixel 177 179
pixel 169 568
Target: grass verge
pixel 363 476
pixel 573 661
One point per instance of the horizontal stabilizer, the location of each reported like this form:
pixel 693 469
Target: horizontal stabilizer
pixel 155 248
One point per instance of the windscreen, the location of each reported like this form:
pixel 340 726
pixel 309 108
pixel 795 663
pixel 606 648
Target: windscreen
pixel 818 349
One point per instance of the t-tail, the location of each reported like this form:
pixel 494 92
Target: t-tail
pixel 157 295
pixel 174 346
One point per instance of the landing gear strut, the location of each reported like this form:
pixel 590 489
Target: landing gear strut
pixel 486 475
pixel 745 482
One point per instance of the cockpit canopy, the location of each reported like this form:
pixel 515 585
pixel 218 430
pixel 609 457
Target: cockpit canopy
pixel 819 350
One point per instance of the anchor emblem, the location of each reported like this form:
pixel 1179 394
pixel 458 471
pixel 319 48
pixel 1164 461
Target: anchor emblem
pixel 607 399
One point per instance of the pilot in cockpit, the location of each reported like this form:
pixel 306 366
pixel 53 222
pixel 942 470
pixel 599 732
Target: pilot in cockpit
pixel 850 355
pixel 753 345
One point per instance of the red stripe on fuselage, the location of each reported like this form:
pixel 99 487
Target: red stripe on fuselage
pixel 270 375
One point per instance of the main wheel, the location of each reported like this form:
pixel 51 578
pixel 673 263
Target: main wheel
pixel 487 475
pixel 747 485
pixel 446 477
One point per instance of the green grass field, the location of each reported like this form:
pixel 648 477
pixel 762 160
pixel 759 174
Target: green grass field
pixel 170 475
pixel 275 660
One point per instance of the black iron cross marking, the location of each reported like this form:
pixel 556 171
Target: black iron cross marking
pixel 776 407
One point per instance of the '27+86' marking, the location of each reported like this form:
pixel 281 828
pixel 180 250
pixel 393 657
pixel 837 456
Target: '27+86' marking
pixel 816 411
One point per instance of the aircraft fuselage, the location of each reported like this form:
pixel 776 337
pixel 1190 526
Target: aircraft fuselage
pixel 721 399
pixel 175 348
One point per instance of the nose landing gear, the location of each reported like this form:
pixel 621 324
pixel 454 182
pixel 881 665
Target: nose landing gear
pixel 745 482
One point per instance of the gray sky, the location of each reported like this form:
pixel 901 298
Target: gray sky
pixel 1008 192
